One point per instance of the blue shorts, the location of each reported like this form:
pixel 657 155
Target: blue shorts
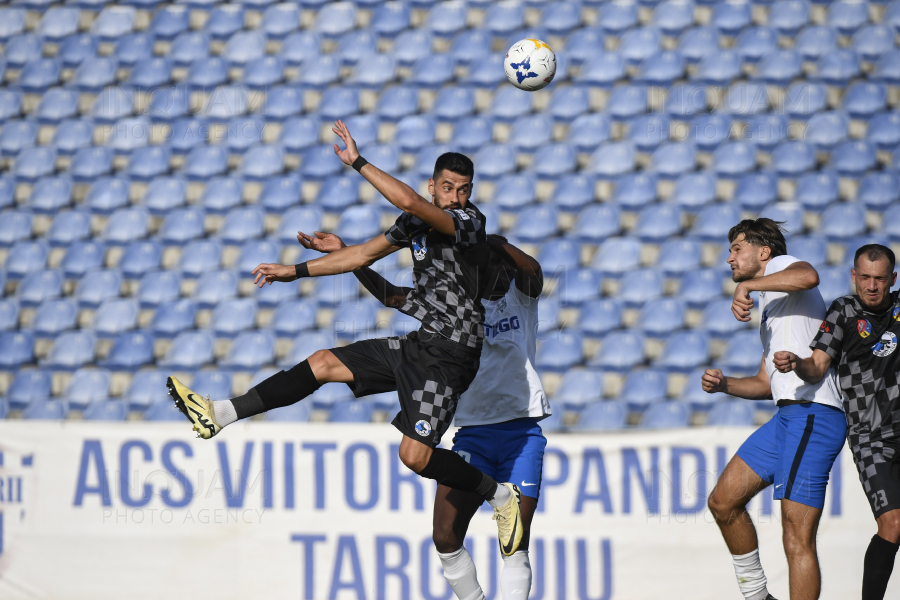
pixel 511 451
pixel 795 451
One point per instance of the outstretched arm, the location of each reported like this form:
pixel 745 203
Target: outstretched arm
pixel 530 277
pixel 751 388
pixel 344 260
pixel 796 277
pixel 810 369
pixel 397 193
pixel 387 293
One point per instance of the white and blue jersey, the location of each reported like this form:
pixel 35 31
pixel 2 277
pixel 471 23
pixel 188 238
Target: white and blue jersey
pixel 498 414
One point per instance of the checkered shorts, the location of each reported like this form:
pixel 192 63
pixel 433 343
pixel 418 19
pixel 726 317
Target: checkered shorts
pixel 428 372
pixel 878 464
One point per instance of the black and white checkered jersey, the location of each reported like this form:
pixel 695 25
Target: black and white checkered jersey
pixel 449 274
pixel 863 345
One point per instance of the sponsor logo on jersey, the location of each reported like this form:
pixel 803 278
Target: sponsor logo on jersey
pixel 503 325
pixel 423 428
pixel 896 314
pixel 419 247
pixel 861 428
pixel 825 327
pixel 864 328
pixel 461 214
pixel 886 345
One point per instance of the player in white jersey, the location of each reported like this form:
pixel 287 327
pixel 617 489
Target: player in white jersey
pixel 796 448
pixel 497 415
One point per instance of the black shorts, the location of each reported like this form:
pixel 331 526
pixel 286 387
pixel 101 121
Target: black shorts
pixel 878 464
pixel 428 372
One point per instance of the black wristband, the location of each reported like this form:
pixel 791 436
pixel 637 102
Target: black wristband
pixel 359 163
pixel 302 270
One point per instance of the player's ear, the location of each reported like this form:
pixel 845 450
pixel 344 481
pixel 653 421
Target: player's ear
pixel 431 186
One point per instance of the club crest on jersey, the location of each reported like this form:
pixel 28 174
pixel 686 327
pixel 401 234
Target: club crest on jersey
pixel 825 327
pixel 864 328
pixel 896 314
pixel 423 428
pixel 501 305
pixel 419 248
pixel 886 346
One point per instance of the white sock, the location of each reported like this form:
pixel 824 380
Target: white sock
pixel 459 571
pixel 750 576
pixel 223 412
pixel 501 496
pixel 515 579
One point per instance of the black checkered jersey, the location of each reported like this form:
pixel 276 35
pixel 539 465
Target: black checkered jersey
pixel 863 344
pixel 449 274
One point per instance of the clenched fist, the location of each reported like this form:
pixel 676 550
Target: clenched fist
pixel 785 361
pixel 714 381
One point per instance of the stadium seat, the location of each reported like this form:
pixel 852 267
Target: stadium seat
pixel 163 410
pixel 535 223
pixel 146 388
pixel 96 286
pixel 789 213
pixel 70 351
pixel 666 415
pixel 793 158
pixel 613 159
pixel 34 163
pixel 833 283
pixel 9 313
pixel 853 158
pixel 130 351
pixel 115 316
pixel 199 257
pixel 305 345
pixel 53 317
pixel 125 225
pixel 877 190
pixel 602 70
pixel 734 158
pixel 221 194
pixel 495 160
pixel 734 413
pixel 743 354
pixel 16 349
pixel 557 256
pixel 578 389
pixel 242 224
pixel 109 194
pixel 250 351
pixel 708 131
pixel 693 393
pixel 577 286
pixel 603 416
pixel 532 132
pixel 17 135
pixel 25 257
pixel 355 319
pixel 720 68
pixel 189 350
pixel 336 290
pixel 234 316
pixel 838 67
pixel 86 387
pixel 696 43
pixel 656 223
pixel 13 23
pixel 573 192
pixel 28 386
pixel 649 131
pixel 15 227
pixel 679 256
pixel 89 163
pixel 811 249
pixel 714 221
pixel 643 388
pixel 106 410
pixel 39 286
pixel 20 49
pixel 11 104
pixel 684 351
pixel 157 287
pixel 843 220
pixel 755 42
pixel 639 286
pixel 172 317
pixel 515 192
pixel 595 223
pixel 207 72
pixel 621 351
pixel 165 194
pixel 50 196
pixel 358 224
pixel 884 130
pixel 214 287
pixel 617 255
pixel 718 320
pixel 560 352
pixel 661 316
pixel 293 317
pixel 755 190
pixel 46 410
pixel 280 193
pixel 817 190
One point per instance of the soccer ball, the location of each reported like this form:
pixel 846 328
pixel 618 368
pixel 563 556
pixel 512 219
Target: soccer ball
pixel 530 65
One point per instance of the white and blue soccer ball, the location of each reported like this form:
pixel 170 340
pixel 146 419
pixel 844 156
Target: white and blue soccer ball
pixel 530 65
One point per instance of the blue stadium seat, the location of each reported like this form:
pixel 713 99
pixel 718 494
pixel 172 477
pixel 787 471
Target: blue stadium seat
pixel 232 317
pixel 792 158
pixel 11 104
pixel 884 130
pixel 597 222
pixel 678 256
pixel 838 67
pixel 12 23
pixel 358 224
pixel 294 316
pixel 780 67
pixel 115 316
pixel 224 20
pixel 7 191
pixel 34 163
pixel 165 194
pixel 745 99
pixel 106 410
pixel 157 287
pixel 280 192
pixel 214 287
pixel 643 388
pixel 731 413
pixel 17 135
pixel 51 195
pixel 613 159
pixel 789 213
pixel 649 131
pixel 560 352
pixel 9 313
pixel 451 104
pixel 815 40
pixel 70 351
pixel 887 70
pixel 536 223
pixel 515 192
pixel 583 44
pixel 843 220
pixel 714 221
pixel 817 190
pixel 96 286
pixel 864 100
pixel 718 320
pixel 173 317
pixel 86 387
pixel 684 350
pixel 558 255
pixel 336 290
pixel 755 42
pixel 221 194
pixel 306 345
pixel 140 257
pixel 39 74
pixel 621 351
pixel 320 162
pixel 734 158
pixel 730 18
pixel 38 286
pixel 250 351
pixel 15 226
pixel 720 68
pixel 877 190
pixel 242 224
pixel 163 410
pixel 588 131
pixel 301 218
pixel 685 100
pixel 495 160
pixel 708 131
pixel 666 415
pixel 486 72
pixel 531 132
pixel 617 255
pixel 95 73
pixel 187 134
pixel 188 47
pixel 811 249
pixel 697 43
pixel 853 158
pixel 46 410
pixel 658 222
pixel 626 102
pixel 788 16
pixel 113 22
pixel 578 389
pixel 189 350
pixel 16 349
pixel 567 103
pixel 661 68
pixel 200 256
pixel 847 16
pixel 89 163
pixel 660 316
pixel 577 286
pixel 767 130
pixel 471 133
pixel 433 70
pixel 243 47
pixel 263 72
pixel 743 353
pixel 673 159
pixel 510 103
pixel 207 72
pixel 602 70
pixel 215 384
pixel 282 103
pixel 603 416
pixel 573 191
pixel 146 388
pixel 28 386
pixel 833 283
pixel 415 132
pixel 25 257
pixel 53 317
pixel 638 44
pixel 256 252
pixel 279 20
pixel 21 49
pixel 827 129
pixel 699 287
pixel 755 190
pixel 319 71
pixel 130 48
pixel 126 225
pixel 107 195
pixel 352 320
pixel 397 102
pixel 409 47
pixel 639 286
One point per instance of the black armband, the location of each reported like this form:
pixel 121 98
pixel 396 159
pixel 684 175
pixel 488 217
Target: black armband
pixel 359 163
pixel 302 270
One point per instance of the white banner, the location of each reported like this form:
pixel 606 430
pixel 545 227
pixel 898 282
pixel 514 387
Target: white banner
pixel 100 511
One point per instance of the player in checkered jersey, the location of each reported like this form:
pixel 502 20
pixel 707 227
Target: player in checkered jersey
pixel 497 416
pixel 428 368
pixel 859 335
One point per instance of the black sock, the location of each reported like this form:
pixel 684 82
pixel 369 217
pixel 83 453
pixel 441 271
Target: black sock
pixel 877 568
pixel 450 469
pixel 281 389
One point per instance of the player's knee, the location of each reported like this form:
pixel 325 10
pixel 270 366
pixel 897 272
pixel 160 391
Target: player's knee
pixel 445 540
pixel 889 525
pixel 798 543
pixel 414 458
pixel 322 362
pixel 718 504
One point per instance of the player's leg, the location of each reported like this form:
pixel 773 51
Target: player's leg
pixel 880 476
pixel 453 510
pixel 800 524
pixel 879 561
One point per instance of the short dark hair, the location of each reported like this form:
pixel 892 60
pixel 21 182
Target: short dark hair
pixel 454 162
pixel 761 232
pixel 873 252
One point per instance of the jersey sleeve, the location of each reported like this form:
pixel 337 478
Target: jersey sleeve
pixel 469 226
pixel 830 337
pixel 780 263
pixel 400 231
